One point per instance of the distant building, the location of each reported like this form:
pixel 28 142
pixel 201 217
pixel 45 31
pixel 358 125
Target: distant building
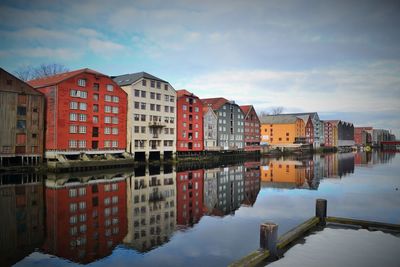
pixel 282 130
pixel 189 127
pixel 379 135
pixel 362 135
pixel 338 133
pixel 151 116
pixel 210 123
pixel 251 128
pixel 85 114
pixel 85 217
pixel 22 121
pixel 230 131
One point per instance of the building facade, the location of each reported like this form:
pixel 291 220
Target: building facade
pixel 85 114
pixel 282 130
pixel 251 128
pixel 189 127
pixel 22 118
pixel 210 122
pixel 151 128
pixel 230 130
pixel 338 133
pixel 362 136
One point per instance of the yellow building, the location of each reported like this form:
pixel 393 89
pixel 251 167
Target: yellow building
pixel 282 130
pixel 285 173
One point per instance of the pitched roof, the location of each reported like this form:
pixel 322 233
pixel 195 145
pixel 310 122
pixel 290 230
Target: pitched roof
pixel 22 87
pixel 332 121
pixel 56 79
pixel 216 103
pixel 246 109
pixel 304 117
pixel 278 119
pixel 128 79
pixel 184 92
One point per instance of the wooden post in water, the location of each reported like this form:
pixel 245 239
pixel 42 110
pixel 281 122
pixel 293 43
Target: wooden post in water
pixel 320 210
pixel 269 238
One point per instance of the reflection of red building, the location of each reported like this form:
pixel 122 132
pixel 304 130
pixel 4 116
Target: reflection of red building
pixel 189 189
pixel 251 182
pixel 85 221
pixel 189 131
pixel 252 133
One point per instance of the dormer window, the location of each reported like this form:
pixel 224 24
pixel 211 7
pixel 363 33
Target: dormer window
pixel 82 82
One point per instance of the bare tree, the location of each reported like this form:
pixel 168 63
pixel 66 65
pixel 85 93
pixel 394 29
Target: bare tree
pixel 43 70
pixel 277 110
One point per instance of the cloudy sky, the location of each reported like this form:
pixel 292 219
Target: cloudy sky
pixel 339 58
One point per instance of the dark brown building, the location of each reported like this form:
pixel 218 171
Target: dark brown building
pixel 22 126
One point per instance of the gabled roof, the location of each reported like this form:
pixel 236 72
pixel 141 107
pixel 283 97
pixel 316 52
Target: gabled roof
pixel 184 92
pixel 58 78
pixel 304 117
pixel 216 103
pixel 246 109
pixel 128 79
pixel 336 122
pixel 278 119
pixel 22 87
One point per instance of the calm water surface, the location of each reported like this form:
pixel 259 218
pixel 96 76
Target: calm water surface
pixel 175 216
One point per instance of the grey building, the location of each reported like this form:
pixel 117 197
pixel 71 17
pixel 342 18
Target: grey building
pixel 230 131
pixel 210 124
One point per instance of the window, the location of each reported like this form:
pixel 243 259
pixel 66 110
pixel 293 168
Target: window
pixel 82 217
pixel 21 111
pixel 152 95
pixel 152 84
pixel 166 108
pixel 95 108
pixel 107 143
pixel 21 124
pixel 114 187
pixel 115 199
pixel 114 144
pixel 82 205
pixel 96 97
pixel 158 107
pixel 143 117
pixel 166 97
pixel 137 92
pixel 115 120
pixel 73 207
pixel 82 129
pixel 136 105
pixel 165 86
pixel 143 105
pixel 82 143
pixel 107 130
pixel 136 117
pixel 96 86
pixel 82 106
pixel 144 82
pixel 196 109
pixel 107 109
pixel 82 117
pixel 82 82
pixel 184 107
pixel 95 119
pixel 158 84
pixel 172 109
pixel 152 106
pixel 82 191
pixel 107 119
pixel 115 99
pixel 158 96
pixel 72 192
pixel 73 219
pixel 110 87
pixel 143 93
pixel 115 131
pixel 172 98
pixel 73 129
pixel 73 144
pixel 143 129
pixel 107 98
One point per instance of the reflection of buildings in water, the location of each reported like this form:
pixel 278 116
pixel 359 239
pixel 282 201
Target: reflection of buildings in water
pixel 229 190
pixel 338 164
pixel 283 173
pixel 151 210
pixel 379 157
pixel 251 182
pixel 86 216
pixel 22 217
pixel 363 159
pixel 189 196
pixel 210 189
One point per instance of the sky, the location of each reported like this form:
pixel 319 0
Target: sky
pixel 338 58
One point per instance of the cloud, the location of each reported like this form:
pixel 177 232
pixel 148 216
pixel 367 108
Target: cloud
pixel 105 47
pixel 46 53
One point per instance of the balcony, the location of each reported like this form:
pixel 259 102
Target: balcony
pixel 156 124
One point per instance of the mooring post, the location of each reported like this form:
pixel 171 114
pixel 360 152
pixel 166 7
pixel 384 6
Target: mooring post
pixel 320 210
pixel 269 238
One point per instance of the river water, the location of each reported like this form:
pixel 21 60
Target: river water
pixel 184 215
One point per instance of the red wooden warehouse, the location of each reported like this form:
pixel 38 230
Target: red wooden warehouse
pixel 189 134
pixel 86 112
pixel 251 128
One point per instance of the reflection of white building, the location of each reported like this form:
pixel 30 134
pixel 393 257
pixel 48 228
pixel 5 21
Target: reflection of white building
pixel 151 210
pixel 210 189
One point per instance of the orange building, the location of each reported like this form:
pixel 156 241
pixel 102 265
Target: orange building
pixel 283 173
pixel 282 130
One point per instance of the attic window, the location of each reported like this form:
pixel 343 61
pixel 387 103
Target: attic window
pixel 144 82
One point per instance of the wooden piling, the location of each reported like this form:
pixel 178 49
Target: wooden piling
pixel 269 238
pixel 320 210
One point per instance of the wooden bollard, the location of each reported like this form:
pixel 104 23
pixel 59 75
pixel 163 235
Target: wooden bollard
pixel 269 238
pixel 320 210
